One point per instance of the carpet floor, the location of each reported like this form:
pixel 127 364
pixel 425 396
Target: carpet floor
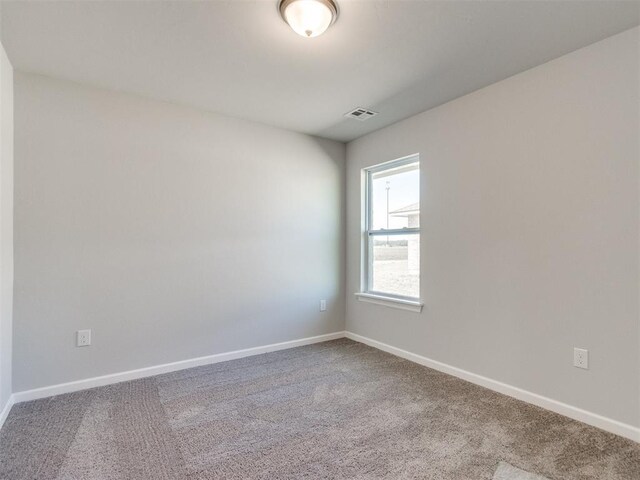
pixel 333 410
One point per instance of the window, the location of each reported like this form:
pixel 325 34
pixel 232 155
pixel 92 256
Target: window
pixel 391 266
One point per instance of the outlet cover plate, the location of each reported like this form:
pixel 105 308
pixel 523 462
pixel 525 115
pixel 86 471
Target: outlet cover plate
pixel 581 358
pixel 83 338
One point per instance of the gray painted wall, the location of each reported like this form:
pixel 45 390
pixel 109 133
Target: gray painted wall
pixel 6 225
pixel 169 232
pixel 530 230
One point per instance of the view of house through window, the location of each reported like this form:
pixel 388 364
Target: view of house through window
pixel 393 229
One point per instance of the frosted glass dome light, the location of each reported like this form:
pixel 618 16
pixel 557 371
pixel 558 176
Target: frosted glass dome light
pixel 309 18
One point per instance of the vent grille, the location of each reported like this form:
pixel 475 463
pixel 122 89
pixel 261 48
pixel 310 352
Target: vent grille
pixel 361 114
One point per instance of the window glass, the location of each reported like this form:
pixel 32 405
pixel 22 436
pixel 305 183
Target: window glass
pixel 395 198
pixel 395 265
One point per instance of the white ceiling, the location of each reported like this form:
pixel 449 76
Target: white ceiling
pixel 239 58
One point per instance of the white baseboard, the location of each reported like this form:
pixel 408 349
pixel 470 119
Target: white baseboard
pixel 86 383
pixel 607 424
pixel 7 408
pixel 593 419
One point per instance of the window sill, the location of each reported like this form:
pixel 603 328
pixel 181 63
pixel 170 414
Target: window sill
pixel 409 305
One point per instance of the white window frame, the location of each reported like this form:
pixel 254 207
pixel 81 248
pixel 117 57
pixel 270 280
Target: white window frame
pixel 366 293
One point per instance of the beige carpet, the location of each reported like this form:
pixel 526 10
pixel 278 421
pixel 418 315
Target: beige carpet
pixel 509 472
pixel 334 410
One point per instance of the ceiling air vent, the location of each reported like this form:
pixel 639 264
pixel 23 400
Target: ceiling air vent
pixel 360 114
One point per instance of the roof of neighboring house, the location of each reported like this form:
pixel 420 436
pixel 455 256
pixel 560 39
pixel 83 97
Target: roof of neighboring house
pixel 407 210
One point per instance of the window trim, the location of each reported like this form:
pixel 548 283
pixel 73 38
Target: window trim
pixel 393 302
pixel 367 294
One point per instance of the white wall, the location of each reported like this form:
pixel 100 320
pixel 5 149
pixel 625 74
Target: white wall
pixel 6 226
pixel 530 230
pixel 169 232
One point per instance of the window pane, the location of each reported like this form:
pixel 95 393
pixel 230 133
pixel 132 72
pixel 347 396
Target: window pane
pixel 395 264
pixel 395 198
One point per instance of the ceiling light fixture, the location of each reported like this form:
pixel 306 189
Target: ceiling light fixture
pixel 309 18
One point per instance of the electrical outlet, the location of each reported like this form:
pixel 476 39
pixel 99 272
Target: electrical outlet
pixel 581 358
pixel 83 338
pixel 323 305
